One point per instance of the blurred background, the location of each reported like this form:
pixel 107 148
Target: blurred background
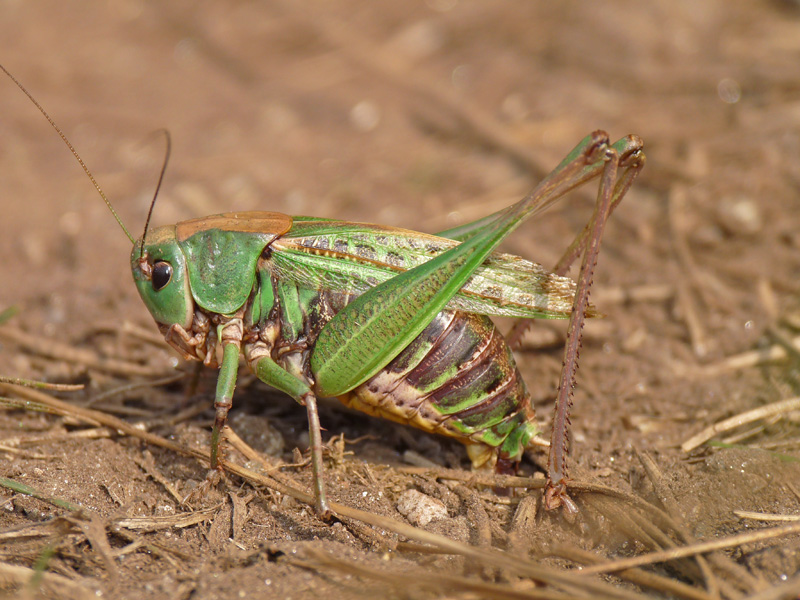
pixel 425 115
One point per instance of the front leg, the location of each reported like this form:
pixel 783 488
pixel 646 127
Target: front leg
pixel 223 399
pixel 229 332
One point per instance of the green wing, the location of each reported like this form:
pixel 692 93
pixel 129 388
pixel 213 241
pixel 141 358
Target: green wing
pixel 354 257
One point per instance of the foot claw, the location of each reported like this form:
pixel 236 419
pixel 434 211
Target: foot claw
pixel 212 480
pixel 323 511
pixel 555 496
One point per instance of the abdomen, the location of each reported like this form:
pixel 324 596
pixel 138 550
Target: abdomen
pixel 457 378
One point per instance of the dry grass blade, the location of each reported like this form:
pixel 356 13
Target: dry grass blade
pixel 136 385
pixel 657 533
pixel 486 556
pixel 32 406
pixel 637 576
pixel 178 521
pixel 41 385
pixel 29 440
pixel 273 471
pixel 58 526
pixel 753 358
pixel 25 454
pixel 733 571
pixel 50 585
pixel 147 465
pixel 757 516
pixel 430 581
pixel 476 477
pixel 762 412
pixel 566 581
pixel 70 354
pixel 692 549
pixel 94 528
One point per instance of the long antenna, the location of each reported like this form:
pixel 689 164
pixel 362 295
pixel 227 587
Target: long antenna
pixel 158 187
pixel 74 152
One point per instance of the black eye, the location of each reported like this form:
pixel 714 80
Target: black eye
pixel 162 273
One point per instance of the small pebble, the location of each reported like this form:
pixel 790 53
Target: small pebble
pixel 740 215
pixel 420 509
pixel 365 116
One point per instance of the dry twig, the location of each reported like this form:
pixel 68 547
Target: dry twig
pixel 762 412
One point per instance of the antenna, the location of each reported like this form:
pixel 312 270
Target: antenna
pixel 75 153
pixel 158 187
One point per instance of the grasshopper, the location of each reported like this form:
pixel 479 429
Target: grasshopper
pixel 392 322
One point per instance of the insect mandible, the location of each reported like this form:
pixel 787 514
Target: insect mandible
pixel 394 323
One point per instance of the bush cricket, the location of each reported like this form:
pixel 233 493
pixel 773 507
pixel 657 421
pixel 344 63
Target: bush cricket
pixel 393 322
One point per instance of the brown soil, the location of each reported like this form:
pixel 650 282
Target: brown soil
pixel 420 115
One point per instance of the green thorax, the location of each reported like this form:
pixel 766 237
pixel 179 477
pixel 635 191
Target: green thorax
pixel 221 253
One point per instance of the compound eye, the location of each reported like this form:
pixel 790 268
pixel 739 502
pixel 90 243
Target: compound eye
pixel 162 273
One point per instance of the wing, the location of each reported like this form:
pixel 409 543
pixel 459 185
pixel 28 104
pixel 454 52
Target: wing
pixel 354 257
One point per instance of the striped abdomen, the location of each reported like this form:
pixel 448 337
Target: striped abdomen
pixel 457 378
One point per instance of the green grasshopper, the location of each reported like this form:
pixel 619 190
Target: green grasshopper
pixel 393 322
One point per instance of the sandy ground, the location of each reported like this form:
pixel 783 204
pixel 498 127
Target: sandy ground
pixel 421 115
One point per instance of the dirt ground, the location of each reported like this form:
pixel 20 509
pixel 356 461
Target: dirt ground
pixel 421 115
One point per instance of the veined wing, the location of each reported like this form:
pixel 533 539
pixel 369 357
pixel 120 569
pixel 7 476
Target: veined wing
pixel 353 257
